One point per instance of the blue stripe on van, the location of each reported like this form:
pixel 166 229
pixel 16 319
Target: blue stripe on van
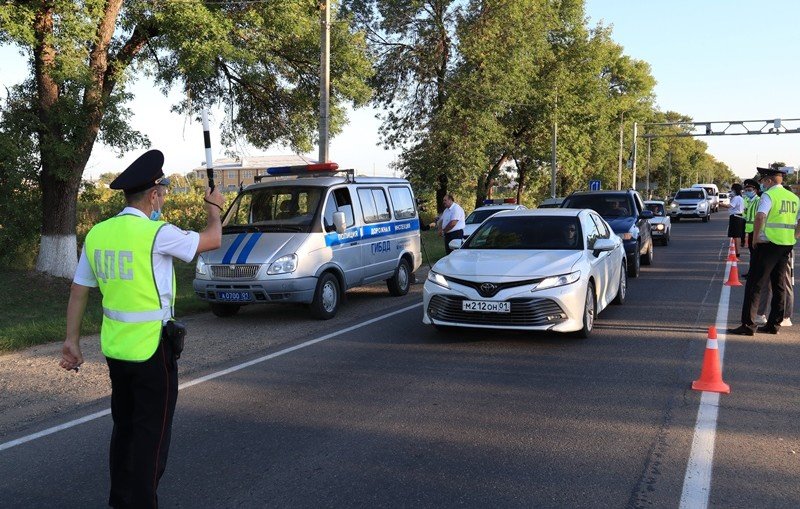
pixel 234 246
pixel 371 232
pixel 245 252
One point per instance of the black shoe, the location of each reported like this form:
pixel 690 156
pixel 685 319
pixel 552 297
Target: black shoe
pixel 768 329
pixel 742 330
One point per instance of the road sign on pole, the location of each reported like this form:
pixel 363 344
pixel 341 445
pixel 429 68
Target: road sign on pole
pixel 594 185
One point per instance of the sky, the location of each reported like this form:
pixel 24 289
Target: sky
pixel 714 60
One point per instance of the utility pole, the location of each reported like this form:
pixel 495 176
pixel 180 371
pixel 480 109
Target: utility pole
pixel 553 155
pixel 324 78
pixel 669 171
pixel 621 141
pixel 633 180
pixel 648 168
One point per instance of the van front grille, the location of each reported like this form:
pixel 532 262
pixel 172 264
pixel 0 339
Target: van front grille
pixel 234 271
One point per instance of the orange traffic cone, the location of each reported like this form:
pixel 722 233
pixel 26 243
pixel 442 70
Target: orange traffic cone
pixel 711 375
pixel 733 275
pixel 732 251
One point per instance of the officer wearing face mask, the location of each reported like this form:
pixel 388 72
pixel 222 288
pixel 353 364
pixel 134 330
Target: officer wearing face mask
pixel 129 257
pixel 775 231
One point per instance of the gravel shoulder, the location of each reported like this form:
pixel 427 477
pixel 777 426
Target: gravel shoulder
pixel 34 389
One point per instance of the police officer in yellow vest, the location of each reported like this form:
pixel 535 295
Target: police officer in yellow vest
pixel 751 200
pixel 775 231
pixel 129 257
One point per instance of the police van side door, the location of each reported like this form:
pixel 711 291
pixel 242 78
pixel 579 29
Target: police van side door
pixel 345 247
pixel 377 248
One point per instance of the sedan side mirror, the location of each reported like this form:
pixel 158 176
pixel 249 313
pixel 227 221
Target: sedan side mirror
pixel 646 214
pixel 340 222
pixel 456 243
pixel 601 245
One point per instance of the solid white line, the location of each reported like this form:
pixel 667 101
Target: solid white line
pixel 697 481
pixel 103 413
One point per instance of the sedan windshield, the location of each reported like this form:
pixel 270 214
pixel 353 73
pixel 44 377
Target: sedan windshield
pixel 479 216
pixel 527 232
pixel 607 205
pixel 289 209
pixel 656 208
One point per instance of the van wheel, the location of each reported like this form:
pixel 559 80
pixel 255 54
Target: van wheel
pixel 224 310
pixel 399 284
pixel 706 218
pixel 326 297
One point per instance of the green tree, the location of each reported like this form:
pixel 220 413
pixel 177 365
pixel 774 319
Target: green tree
pixel 259 60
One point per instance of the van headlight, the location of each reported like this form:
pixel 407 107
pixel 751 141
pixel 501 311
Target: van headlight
pixel 702 205
pixel 438 279
pixel 283 265
pixel 201 269
pixel 562 280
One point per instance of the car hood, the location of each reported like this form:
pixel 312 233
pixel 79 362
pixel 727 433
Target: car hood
pixel 620 224
pixel 513 264
pixel 254 247
pixel 658 220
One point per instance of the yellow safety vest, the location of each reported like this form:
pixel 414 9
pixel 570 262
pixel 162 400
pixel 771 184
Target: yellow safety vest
pixel 782 217
pixel 750 213
pixel 120 252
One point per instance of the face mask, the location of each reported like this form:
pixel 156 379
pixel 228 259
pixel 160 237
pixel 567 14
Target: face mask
pixel 761 186
pixel 749 194
pixel 155 215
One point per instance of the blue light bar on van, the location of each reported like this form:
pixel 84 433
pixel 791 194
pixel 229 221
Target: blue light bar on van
pixel 500 201
pixel 301 169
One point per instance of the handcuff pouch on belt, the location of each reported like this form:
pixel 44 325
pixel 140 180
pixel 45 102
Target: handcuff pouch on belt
pixel 175 332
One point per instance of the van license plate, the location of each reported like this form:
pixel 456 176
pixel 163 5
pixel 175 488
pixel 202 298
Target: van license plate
pixel 486 307
pixel 234 296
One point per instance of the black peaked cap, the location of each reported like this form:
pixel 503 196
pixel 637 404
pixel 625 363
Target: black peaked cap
pixel 142 174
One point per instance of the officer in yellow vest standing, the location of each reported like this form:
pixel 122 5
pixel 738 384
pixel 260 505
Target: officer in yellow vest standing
pixel 775 231
pixel 129 257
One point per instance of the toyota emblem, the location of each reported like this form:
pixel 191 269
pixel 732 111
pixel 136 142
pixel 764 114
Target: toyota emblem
pixel 488 288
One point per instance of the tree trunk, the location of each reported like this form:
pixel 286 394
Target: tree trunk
pixel 58 249
pixel 441 192
pixel 485 190
pixel 522 172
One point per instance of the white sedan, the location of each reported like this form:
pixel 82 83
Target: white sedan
pixel 545 269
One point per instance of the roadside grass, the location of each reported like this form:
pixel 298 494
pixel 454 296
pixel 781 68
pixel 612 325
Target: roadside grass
pixel 432 247
pixel 33 307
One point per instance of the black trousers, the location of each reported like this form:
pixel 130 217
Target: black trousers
pixel 769 264
pixel 448 236
pixel 143 397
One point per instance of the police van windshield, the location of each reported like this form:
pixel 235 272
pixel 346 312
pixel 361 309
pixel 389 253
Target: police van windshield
pixel 285 208
pixel 526 232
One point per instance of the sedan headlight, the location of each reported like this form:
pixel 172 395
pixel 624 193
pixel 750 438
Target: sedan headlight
pixel 283 265
pixel 201 269
pixel 658 227
pixel 702 205
pixel 562 280
pixel 438 279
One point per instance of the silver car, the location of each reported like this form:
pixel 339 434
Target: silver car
pixel 660 223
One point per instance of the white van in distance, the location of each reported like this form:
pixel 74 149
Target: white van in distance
pixel 305 234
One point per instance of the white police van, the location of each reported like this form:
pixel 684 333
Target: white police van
pixel 305 234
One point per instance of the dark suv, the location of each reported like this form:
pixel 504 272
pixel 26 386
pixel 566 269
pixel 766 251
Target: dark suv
pixel 626 214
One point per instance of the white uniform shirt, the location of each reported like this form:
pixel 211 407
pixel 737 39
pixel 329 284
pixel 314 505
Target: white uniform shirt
pixel 764 206
pixel 170 242
pixel 737 205
pixel 453 213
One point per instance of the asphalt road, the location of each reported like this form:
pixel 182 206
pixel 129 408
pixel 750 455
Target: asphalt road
pixel 395 414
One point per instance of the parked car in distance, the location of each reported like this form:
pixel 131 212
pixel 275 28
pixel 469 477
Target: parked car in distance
pixel 628 217
pixel 712 195
pixel 660 223
pixel 690 203
pixel 481 214
pixel 551 203
pixel 724 200
pixel 545 270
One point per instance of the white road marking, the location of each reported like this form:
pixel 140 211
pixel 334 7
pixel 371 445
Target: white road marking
pixel 103 413
pixel 697 481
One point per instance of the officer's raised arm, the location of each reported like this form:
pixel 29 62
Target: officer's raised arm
pixel 211 236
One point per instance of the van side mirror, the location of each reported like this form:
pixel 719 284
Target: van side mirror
pixel 339 222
